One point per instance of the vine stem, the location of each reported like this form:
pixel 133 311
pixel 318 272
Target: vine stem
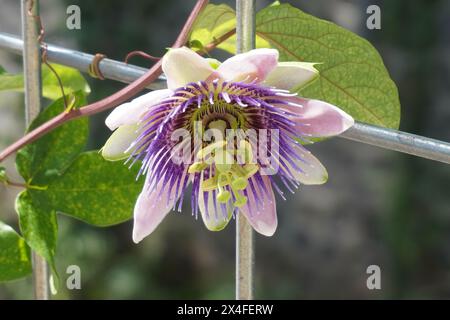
pixel 245 253
pixel 111 101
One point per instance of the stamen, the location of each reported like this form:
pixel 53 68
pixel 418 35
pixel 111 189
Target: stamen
pixel 197 167
pixel 240 200
pixel 223 196
pixel 239 184
pixel 208 150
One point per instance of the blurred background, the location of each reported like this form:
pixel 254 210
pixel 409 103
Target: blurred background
pixel 378 207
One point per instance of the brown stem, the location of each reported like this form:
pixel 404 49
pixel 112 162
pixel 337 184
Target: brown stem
pixel 111 101
pixel 140 54
pixel 219 40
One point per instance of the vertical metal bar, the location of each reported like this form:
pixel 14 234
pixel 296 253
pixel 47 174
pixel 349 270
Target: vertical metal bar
pixel 31 60
pixel 245 255
pixel 33 93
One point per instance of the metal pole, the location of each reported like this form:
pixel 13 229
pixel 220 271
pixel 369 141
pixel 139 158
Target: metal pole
pixel 31 60
pixel 33 90
pixel 399 141
pixel 245 254
pixel 111 69
pixel 365 133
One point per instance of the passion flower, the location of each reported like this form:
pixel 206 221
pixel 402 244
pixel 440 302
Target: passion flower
pixel 232 130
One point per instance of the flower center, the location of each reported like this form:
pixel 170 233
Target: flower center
pixel 223 108
pixel 221 113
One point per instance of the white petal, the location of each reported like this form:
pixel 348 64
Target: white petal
pixel 252 65
pixel 292 76
pixel 118 145
pixel 260 210
pixel 131 112
pixel 312 171
pixel 212 214
pixel 182 66
pixel 151 208
pixel 317 118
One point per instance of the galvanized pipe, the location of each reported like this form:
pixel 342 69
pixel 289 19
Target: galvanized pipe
pixel 33 94
pixel 399 141
pixel 110 69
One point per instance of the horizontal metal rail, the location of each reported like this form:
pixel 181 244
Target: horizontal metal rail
pixel 115 70
pixel 399 141
pixel 110 69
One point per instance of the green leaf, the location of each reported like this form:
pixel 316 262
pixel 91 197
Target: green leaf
pixel 15 261
pixel 93 190
pixel 352 73
pixel 3 176
pixel 41 162
pixel 46 158
pixel 214 22
pixel 71 79
pixel 39 227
